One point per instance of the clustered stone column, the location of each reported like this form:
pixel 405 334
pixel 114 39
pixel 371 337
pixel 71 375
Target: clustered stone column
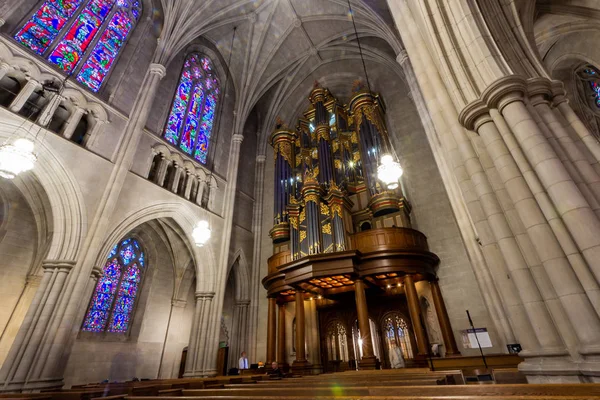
pixel 444 319
pixel 195 362
pixel 24 95
pixel 532 191
pixel 414 309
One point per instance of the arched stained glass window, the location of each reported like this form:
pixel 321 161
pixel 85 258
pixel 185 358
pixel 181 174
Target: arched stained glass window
pixel 191 120
pixel 81 37
pixel 114 299
pixel 591 76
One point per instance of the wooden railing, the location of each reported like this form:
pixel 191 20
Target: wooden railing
pixel 390 239
pixel 277 260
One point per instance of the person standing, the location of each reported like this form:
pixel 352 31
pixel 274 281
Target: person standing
pixel 243 362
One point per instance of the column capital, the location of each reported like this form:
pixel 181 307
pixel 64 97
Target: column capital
pixel 96 272
pixel 33 280
pixel 178 303
pixel 402 57
pixel 539 90
pixel 242 303
pixel 559 94
pixel 158 69
pixel 261 158
pixel 2 21
pixel 237 138
pixel 66 265
pixel 204 295
pixel 474 115
pixel 504 91
pixel 5 66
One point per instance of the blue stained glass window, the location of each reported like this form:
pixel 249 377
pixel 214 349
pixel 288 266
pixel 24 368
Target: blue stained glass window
pixel 81 37
pixel 114 299
pixel 592 76
pixel 190 122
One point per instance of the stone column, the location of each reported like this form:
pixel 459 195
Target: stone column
pixel 257 225
pixel 415 314
pixel 5 68
pixel 556 267
pixel 76 287
pixel 161 171
pixel 582 222
pixel 33 329
pixel 189 182
pixel 300 361
pixel 224 243
pixel 24 95
pixel 194 366
pixel 271 331
pixel 176 177
pixel 444 320
pixel 201 189
pixel 73 121
pixel 49 110
pixel 239 332
pixel 92 135
pixel 368 361
pixel 281 335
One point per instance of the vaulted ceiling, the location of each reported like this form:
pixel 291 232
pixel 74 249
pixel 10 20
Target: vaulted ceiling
pixel 283 45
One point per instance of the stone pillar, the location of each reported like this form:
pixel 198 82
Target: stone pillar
pixel 565 292
pixel 49 110
pixel 281 360
pixel 224 242
pixel 194 365
pixel 239 332
pixel 176 177
pixel 73 121
pixel 189 182
pixel 368 361
pixel 444 320
pixel 92 135
pixel 271 331
pixel 415 314
pixel 575 211
pixel 5 68
pixel 161 171
pixel 24 95
pixel 32 333
pixel 76 287
pixel 300 361
pixel 201 189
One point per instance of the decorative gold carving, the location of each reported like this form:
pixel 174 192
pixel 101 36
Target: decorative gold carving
pixel 326 229
pixel 302 215
pixel 335 145
pixel 294 222
pixel 312 197
pixel 336 209
pixel 285 149
pixel 354 137
pixel 324 209
pixel 356 156
pixel 337 164
pixel 302 236
pixel 298 160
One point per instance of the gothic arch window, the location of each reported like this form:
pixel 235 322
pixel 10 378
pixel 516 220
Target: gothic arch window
pixel 81 37
pixel 114 299
pixel 192 115
pixel 588 101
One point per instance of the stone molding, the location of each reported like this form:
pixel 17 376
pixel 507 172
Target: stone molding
pixel 237 138
pixel 261 158
pixel 402 57
pixel 474 115
pixel 539 90
pixel 242 303
pixel 505 91
pixel 204 295
pixel 177 303
pixel 64 265
pixel 158 69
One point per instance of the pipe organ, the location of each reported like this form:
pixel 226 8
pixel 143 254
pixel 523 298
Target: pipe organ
pixel 326 185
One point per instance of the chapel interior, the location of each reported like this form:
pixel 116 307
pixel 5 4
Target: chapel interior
pixel 299 198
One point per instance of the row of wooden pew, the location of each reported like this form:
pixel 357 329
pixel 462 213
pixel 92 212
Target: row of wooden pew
pixel 407 384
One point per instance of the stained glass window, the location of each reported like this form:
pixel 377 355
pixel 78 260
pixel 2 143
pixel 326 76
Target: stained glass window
pixel 114 298
pixel 81 37
pixel 592 76
pixel 192 116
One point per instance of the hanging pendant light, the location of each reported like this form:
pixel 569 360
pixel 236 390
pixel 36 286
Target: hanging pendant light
pixel 16 158
pixel 389 172
pixel 201 233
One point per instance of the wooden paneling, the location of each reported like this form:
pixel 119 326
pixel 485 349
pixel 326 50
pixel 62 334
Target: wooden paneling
pixel 277 260
pixel 388 239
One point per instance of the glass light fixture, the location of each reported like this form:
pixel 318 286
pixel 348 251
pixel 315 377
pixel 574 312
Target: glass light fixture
pixel 201 233
pixel 389 172
pixel 16 158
